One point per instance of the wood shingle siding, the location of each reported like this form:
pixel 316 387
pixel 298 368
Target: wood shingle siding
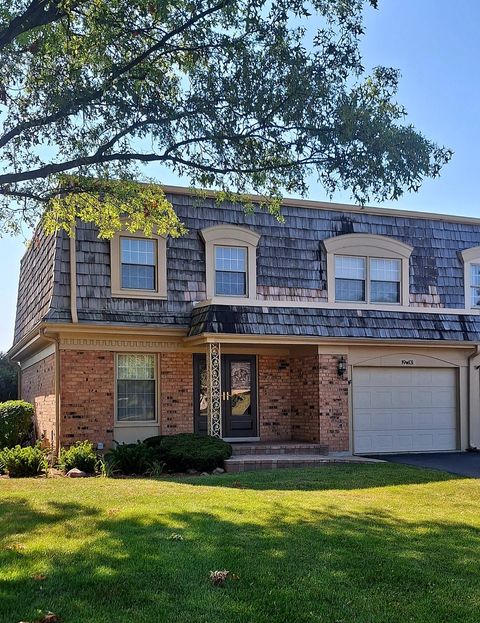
pixel 332 323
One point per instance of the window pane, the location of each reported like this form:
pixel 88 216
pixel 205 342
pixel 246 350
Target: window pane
pixel 136 367
pixel 475 297
pixel 385 270
pixel 347 267
pixel 349 290
pixel 135 388
pixel 136 277
pixel 233 284
pixel 385 292
pixel 231 259
pixel 475 275
pixel 137 251
pixel 135 401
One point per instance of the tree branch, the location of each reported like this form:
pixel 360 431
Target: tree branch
pixel 38 13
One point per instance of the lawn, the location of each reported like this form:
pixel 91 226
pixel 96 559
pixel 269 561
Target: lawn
pixel 364 543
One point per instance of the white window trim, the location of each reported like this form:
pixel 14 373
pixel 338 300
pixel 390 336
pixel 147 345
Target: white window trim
pixel 469 257
pixel 160 291
pixel 369 246
pixel 230 236
pixel 137 423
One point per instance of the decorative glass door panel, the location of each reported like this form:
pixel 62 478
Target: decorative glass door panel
pixel 239 395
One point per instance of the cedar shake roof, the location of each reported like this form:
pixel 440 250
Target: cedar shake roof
pixel 291 265
pixel 334 323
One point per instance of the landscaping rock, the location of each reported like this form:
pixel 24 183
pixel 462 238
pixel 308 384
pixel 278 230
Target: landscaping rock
pixel 218 470
pixel 204 474
pixel 75 473
pixel 192 472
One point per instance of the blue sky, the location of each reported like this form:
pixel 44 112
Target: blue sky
pixel 435 43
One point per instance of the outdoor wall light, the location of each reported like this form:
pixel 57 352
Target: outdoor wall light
pixel 341 366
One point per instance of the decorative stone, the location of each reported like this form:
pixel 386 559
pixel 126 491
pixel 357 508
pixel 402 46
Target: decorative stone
pixel 204 474
pixel 218 470
pixel 192 472
pixel 75 473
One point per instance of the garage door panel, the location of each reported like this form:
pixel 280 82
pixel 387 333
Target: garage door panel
pixel 405 416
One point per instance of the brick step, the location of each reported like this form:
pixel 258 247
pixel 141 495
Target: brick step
pixel 251 463
pixel 278 448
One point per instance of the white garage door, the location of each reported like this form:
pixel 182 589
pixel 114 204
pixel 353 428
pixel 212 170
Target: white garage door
pixel 404 409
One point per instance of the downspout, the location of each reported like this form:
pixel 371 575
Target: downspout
pixel 73 278
pixel 56 340
pixel 471 357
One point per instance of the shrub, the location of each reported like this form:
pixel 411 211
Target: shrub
pixel 132 458
pixel 16 423
pixel 81 455
pixel 21 462
pixel 190 451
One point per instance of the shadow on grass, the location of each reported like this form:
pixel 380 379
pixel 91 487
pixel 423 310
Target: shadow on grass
pixel 315 566
pixel 340 476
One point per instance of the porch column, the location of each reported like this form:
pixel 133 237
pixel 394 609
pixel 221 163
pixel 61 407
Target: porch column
pixel 214 386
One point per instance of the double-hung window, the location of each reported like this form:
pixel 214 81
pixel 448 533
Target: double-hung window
pixel 138 258
pixel 230 271
pixel 136 388
pixel 475 285
pixel 367 279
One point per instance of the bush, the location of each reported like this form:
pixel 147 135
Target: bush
pixel 81 455
pixel 16 423
pixel 20 462
pixel 8 378
pixel 133 458
pixel 190 451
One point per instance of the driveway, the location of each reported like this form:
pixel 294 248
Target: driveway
pixel 463 463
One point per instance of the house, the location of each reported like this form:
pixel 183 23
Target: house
pixel 355 328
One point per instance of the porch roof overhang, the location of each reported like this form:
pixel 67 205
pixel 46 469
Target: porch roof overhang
pixel 265 323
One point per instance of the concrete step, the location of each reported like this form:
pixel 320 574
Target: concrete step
pixel 278 448
pixel 251 463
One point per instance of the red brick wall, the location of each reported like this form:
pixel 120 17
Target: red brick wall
pixel 305 398
pixel 333 394
pixel 38 388
pixel 319 402
pixel 87 396
pixel 274 398
pixel 176 393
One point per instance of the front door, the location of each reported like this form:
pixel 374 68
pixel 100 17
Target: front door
pixel 239 395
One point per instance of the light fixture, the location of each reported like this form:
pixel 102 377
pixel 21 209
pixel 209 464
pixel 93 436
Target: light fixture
pixel 341 366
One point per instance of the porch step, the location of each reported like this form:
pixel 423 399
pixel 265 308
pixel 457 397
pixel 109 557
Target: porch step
pixel 251 463
pixel 292 448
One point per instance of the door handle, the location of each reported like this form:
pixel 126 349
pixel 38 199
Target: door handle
pixel 226 395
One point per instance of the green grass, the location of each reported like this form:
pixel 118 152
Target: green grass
pixel 373 543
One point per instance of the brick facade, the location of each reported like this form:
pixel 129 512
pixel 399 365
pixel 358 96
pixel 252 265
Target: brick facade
pixel 300 398
pixel 319 402
pixel 87 396
pixel 176 393
pixel 274 398
pixel 38 388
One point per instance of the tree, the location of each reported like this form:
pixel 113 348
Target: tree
pixel 232 94
pixel 8 379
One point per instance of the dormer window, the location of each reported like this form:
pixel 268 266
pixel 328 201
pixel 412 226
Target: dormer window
pixel 475 285
pixel 365 268
pixel 138 263
pixel 471 262
pixel 231 271
pixel 231 261
pixel 138 266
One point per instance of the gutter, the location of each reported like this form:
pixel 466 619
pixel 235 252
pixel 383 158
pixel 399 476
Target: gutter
pixel 55 340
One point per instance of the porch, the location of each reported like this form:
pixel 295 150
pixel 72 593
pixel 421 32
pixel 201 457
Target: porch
pixel 272 395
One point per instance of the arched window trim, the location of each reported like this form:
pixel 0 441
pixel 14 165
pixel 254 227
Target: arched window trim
pixel 369 246
pixel 230 236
